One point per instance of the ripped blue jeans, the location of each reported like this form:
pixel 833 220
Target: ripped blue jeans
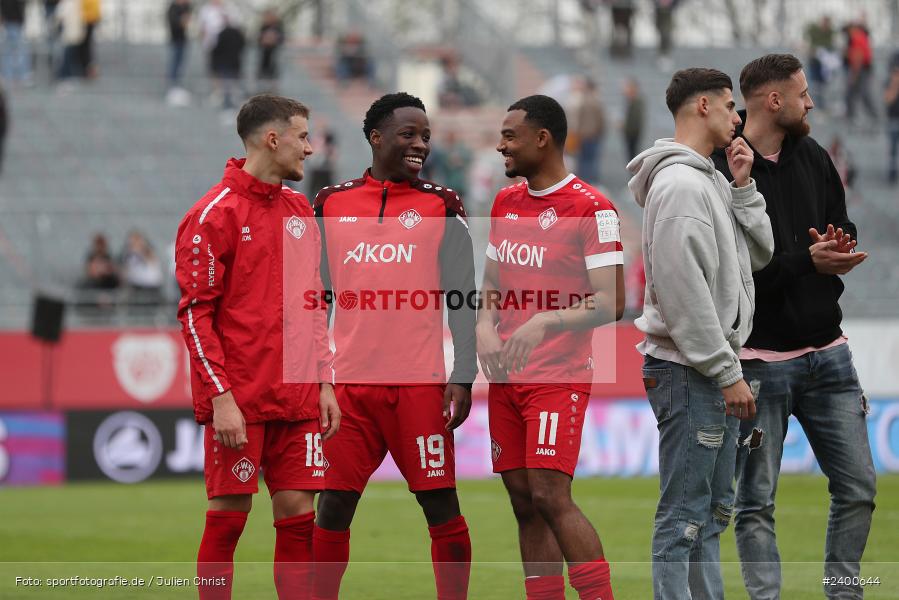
pixel 822 389
pixel 697 454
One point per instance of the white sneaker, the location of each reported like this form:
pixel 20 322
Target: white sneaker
pixel 178 97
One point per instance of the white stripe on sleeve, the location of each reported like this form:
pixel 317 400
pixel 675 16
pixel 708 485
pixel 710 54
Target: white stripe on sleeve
pixel 606 259
pixel 193 332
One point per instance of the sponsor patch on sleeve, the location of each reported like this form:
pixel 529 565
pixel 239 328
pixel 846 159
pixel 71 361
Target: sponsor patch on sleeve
pixel 607 226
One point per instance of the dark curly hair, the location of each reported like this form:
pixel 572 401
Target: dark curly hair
pixel 545 113
pixel 382 109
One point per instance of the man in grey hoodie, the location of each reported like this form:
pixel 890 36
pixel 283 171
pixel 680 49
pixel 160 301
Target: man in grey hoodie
pixel 702 239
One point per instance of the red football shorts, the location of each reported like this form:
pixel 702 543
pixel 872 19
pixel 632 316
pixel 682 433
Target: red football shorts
pixel 288 452
pixel 535 426
pixel 405 420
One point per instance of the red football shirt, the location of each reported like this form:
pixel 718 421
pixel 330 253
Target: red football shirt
pixel 545 241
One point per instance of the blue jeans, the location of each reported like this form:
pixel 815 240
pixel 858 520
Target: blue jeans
pixel 697 453
pixel 16 53
pixel 822 390
pixel 176 62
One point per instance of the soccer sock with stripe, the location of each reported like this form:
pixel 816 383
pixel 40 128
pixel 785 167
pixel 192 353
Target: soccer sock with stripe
pixel 451 555
pixel 545 587
pixel 293 556
pixel 331 552
pixel 592 580
pixel 215 560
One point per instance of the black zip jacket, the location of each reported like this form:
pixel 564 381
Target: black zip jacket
pixel 796 306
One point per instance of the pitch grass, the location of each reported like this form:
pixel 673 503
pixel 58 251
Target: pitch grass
pixel 153 529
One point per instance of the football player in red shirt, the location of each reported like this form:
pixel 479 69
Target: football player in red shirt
pixel 392 239
pixel 553 274
pixel 245 254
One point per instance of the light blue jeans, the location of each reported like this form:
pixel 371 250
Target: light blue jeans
pixel 822 390
pixel 697 453
pixel 16 53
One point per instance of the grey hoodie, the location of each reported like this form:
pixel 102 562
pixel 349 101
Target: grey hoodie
pixel 702 239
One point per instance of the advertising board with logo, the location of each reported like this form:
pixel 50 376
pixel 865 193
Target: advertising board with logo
pixel 129 446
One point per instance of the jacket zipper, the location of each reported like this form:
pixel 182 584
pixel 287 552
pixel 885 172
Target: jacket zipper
pixel 383 205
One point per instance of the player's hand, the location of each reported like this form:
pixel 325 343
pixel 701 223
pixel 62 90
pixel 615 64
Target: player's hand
pixel 456 405
pixel 739 160
pixel 228 422
pixel 739 401
pixel 490 348
pixel 517 349
pixel 845 243
pixel 328 410
pixel 829 261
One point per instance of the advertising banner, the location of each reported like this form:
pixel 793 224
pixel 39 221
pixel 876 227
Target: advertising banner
pixel 32 448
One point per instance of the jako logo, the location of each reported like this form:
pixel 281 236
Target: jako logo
pixel 380 253
pixel 512 216
pixel 346 220
pixel 520 254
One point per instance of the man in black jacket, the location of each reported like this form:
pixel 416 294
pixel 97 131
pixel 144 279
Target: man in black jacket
pixel 797 359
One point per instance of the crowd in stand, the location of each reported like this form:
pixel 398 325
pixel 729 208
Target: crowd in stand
pixel 136 276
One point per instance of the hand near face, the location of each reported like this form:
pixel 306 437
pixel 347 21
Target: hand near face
pixel 739 161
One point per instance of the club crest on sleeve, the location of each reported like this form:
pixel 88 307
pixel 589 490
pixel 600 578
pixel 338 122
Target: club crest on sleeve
pixel 296 227
pixel 243 470
pixel 410 218
pixel 547 218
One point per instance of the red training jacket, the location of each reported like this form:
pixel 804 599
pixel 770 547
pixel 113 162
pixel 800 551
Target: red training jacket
pixel 245 255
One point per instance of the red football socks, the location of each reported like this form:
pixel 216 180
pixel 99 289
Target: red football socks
pixel 293 556
pixel 215 560
pixel 331 552
pixel 451 555
pixel 592 580
pixel 547 587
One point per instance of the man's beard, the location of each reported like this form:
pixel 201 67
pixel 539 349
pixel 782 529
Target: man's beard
pixel 797 128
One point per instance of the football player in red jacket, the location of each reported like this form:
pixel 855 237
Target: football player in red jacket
pixel 260 363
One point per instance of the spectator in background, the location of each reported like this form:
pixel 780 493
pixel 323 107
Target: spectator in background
pixel 891 101
pixel 227 60
pixel 212 18
pixel 16 51
pixel 589 127
pixel 90 16
pixel 859 61
pixel 100 279
pixel 178 17
pixel 451 164
pixel 52 34
pixel 842 161
pixel 271 38
pixel 71 25
pixel 664 16
pixel 141 269
pixel 622 28
pixel 821 58
pixel 353 61
pixel 634 117
pixel 322 172
pixel 452 91
pixel 100 271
